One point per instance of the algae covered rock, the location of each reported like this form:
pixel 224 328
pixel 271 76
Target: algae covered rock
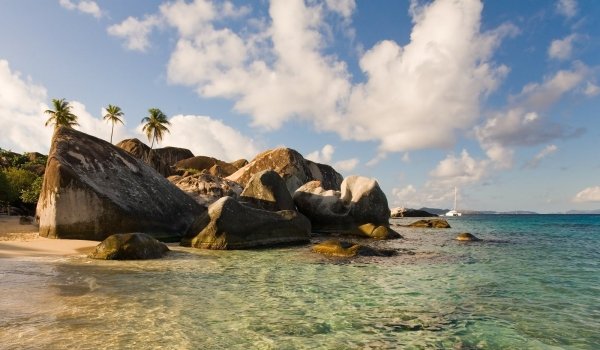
pixel 229 224
pixel 430 223
pixel 343 249
pixel 466 237
pixel 266 190
pixel 93 189
pixel 129 246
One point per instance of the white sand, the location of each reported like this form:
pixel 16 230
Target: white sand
pixel 23 241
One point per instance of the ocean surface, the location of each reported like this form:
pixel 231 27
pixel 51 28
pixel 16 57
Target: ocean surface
pixel 532 283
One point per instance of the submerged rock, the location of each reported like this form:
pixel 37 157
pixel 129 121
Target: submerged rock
pixel 205 188
pixel 359 208
pixel 343 249
pixel 229 224
pixel 266 190
pixel 430 223
pixel 129 246
pixel 93 189
pixel 466 237
pixel 291 166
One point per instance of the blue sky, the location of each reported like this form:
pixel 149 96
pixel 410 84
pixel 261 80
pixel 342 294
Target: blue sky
pixel 499 98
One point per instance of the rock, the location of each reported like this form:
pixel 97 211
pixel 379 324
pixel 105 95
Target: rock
pixel 129 246
pixel 239 163
pixel 93 189
pixel 161 159
pixel 169 156
pixel 231 225
pixel 291 166
pixel 266 190
pixel 25 220
pixel 212 165
pixel 205 188
pixel 360 208
pixel 343 249
pixel 410 213
pixel 430 223
pixel 466 237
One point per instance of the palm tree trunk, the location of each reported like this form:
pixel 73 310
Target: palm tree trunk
pixel 111 131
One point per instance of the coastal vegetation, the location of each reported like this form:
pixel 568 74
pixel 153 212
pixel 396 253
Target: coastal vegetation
pixel 21 178
pixel 113 115
pixel 61 115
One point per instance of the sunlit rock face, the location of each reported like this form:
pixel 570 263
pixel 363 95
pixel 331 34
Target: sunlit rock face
pixel 93 189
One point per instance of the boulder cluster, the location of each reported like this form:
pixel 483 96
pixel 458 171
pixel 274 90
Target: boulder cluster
pixel 92 190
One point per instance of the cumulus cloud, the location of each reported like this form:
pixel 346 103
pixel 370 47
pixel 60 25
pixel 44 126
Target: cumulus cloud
pixel 135 32
pixel 278 70
pixel 590 194
pixel 84 6
pixel 322 156
pixel 405 196
pixel 535 161
pixel 325 155
pixel 591 89
pixel 524 124
pixel 567 8
pixel 462 170
pixel 346 165
pixel 208 137
pixel 562 49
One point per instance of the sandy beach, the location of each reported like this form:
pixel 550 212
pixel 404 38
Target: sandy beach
pixel 18 240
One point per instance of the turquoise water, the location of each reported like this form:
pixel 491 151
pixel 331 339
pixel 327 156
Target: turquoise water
pixel 532 283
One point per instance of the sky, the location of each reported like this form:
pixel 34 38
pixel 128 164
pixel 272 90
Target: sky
pixel 500 99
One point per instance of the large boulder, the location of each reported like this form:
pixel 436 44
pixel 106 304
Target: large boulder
pixel 209 164
pixel 266 190
pixel 93 189
pixel 205 188
pixel 291 166
pixel 359 208
pixel 229 224
pixel 161 159
pixel 410 213
pixel 169 156
pixel 129 246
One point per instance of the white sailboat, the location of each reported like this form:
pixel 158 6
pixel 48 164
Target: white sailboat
pixel 454 212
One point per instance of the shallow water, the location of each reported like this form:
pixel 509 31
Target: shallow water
pixel 533 282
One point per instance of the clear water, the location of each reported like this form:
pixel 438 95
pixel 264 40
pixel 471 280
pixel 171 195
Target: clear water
pixel 533 283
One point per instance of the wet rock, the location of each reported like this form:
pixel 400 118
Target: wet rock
pixel 206 188
pixel 291 166
pixel 266 190
pixel 129 246
pixel 229 224
pixel 466 237
pixel 430 223
pixel 359 208
pixel 93 189
pixel 344 249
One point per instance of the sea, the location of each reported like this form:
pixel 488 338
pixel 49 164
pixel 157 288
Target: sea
pixel 532 282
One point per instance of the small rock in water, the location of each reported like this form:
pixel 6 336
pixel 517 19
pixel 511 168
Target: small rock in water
pixel 129 246
pixel 431 223
pixel 466 237
pixel 343 249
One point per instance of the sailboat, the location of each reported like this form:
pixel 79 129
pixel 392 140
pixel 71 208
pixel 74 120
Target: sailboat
pixel 454 212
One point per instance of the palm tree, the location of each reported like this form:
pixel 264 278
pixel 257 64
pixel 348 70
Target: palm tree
pixel 113 114
pixel 61 115
pixel 156 125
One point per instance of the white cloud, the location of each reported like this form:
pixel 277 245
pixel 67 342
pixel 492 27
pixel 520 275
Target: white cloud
pixel 591 89
pixel 85 6
pixel 21 113
pixel 135 32
pixel 344 8
pixel 322 156
pixel 562 49
pixel 277 70
pixel 454 171
pixel 346 165
pixel 567 8
pixel 377 159
pixel 208 137
pixel 406 196
pixel 535 161
pixel 590 194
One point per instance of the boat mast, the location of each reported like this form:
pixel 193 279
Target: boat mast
pixel 455 198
